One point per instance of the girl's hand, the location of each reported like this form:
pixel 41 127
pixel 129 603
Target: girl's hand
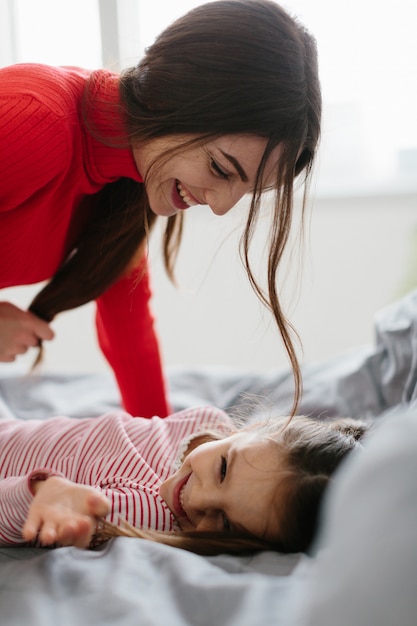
pixel 19 331
pixel 63 512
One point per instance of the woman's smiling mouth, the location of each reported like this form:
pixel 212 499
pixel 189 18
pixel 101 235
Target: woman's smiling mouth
pixel 183 198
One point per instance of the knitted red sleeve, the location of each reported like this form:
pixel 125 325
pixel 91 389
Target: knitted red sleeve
pixel 128 339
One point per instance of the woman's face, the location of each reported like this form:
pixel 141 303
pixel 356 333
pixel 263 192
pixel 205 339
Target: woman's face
pixel 218 173
pixel 227 485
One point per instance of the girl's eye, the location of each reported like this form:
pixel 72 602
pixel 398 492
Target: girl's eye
pixel 226 523
pixel 218 170
pixel 223 469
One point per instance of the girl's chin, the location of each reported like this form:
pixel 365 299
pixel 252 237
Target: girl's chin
pixel 164 490
pixel 185 525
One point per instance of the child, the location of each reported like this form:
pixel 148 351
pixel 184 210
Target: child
pixel 194 477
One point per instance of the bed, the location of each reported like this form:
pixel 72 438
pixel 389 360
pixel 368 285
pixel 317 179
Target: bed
pixel 132 581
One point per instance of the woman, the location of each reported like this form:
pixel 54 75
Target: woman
pixel 226 102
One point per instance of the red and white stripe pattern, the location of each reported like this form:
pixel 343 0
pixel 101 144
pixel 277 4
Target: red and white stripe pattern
pixel 126 458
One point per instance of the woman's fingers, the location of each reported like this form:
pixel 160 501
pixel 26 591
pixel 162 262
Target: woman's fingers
pixel 41 329
pixel 19 331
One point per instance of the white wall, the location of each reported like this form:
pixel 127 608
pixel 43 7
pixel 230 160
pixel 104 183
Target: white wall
pixel 358 258
pixel 360 250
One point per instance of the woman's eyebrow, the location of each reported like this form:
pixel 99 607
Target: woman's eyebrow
pixel 244 177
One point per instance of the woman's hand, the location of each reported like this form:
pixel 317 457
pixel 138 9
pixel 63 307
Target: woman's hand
pixel 64 512
pixel 19 331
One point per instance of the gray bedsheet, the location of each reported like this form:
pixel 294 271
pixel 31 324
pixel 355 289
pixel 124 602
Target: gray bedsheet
pixel 365 569
pixel 138 582
pixel 366 381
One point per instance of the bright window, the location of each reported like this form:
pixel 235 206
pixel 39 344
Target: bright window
pixel 51 31
pixel 367 52
pixel 368 58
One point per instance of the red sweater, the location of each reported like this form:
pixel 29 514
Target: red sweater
pixel 49 167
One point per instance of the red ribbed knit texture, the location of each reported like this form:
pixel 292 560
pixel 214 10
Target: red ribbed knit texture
pixel 50 165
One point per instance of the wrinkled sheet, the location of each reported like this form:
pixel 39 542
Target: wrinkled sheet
pixel 366 381
pixel 138 582
pixel 365 566
pixel 133 582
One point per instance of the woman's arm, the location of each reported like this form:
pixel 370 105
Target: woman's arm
pixel 128 339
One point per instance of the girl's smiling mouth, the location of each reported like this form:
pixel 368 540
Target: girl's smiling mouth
pixel 177 498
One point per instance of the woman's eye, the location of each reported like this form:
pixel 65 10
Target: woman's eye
pixel 223 469
pixel 218 170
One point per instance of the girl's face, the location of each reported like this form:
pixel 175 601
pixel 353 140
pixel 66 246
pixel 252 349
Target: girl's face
pixel 227 485
pixel 217 174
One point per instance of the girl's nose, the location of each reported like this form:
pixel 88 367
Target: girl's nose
pixel 204 510
pixel 207 523
pixel 201 501
pixel 204 501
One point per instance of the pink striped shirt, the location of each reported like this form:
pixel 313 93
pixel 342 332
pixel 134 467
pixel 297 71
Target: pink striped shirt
pixel 126 458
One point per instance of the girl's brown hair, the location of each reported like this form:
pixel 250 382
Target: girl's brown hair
pixel 310 451
pixel 226 67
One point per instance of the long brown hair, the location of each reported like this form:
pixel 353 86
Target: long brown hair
pixel 310 451
pixel 226 67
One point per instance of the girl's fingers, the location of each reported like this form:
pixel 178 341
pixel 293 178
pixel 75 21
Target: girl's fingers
pixel 30 531
pixel 64 513
pixel 48 535
pixel 98 504
pixel 45 533
pixel 77 533
pixel 32 526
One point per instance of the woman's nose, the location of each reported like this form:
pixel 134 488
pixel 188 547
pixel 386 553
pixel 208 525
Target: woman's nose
pixel 221 210
pixel 221 203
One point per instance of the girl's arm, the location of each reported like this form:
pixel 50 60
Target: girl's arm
pixel 63 512
pixel 49 508
pixel 54 510
pixel 66 513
